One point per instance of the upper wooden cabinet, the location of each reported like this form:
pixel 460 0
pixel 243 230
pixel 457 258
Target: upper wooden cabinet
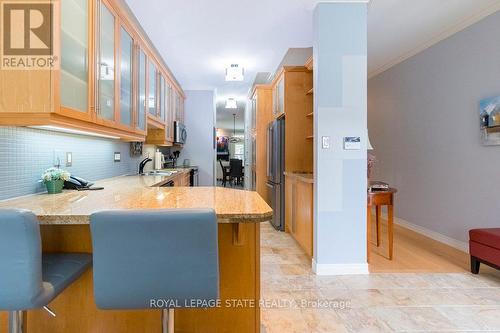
pixel 75 77
pixel 279 96
pixel 110 80
pixel 141 89
pixel 106 65
pixel 290 98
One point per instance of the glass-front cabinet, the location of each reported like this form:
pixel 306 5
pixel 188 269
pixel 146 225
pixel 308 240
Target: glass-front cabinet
pixel 74 74
pixel 106 64
pixel 152 75
pixel 169 121
pixel 141 93
pixel 162 98
pixel 126 70
pixel 108 79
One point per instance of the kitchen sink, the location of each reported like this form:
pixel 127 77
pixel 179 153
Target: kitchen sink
pixel 159 173
pixel 154 173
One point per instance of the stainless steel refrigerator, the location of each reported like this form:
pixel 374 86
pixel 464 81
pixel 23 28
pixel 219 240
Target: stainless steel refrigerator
pixel 275 171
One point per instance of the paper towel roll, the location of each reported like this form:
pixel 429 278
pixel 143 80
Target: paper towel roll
pixel 158 160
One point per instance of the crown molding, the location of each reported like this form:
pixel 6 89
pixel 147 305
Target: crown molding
pixel 465 23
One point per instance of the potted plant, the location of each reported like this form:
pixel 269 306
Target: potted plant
pixel 54 179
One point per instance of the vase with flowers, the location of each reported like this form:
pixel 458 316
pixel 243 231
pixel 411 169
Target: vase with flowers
pixel 54 178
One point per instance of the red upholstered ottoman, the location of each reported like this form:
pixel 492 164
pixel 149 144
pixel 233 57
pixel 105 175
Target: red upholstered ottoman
pixel 484 247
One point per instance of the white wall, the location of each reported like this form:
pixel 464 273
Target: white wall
pixel 200 122
pixel 424 126
pixel 340 78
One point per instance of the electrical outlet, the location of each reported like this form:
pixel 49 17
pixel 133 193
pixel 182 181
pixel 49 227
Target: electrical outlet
pixel 69 159
pixel 117 157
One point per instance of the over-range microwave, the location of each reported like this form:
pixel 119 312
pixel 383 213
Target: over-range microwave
pixel 180 133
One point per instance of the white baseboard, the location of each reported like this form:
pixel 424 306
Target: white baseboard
pixel 339 269
pixel 459 245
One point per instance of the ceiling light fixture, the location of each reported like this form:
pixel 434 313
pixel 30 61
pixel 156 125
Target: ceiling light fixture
pixel 231 103
pixel 235 73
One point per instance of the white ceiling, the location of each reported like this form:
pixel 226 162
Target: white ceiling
pixel 199 38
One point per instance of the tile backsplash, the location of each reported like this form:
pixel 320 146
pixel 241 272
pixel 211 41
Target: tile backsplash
pixel 26 152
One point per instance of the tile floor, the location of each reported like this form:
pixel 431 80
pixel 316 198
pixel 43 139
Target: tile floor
pixel 295 300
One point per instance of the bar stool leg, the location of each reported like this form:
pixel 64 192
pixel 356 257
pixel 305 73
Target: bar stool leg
pixel 167 320
pixel 15 322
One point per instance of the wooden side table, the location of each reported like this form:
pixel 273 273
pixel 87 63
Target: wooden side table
pixel 379 199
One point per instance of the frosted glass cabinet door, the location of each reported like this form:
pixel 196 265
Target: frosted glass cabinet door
pixel 281 96
pixel 162 98
pixel 106 63
pixel 74 54
pixel 127 48
pixel 141 107
pixel 152 89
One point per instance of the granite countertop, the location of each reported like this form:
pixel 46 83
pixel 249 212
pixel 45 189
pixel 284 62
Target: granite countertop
pixel 142 192
pixel 302 176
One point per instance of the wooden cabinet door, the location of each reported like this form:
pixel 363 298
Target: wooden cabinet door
pixel 177 106
pixel 280 96
pixel 76 83
pixel 303 216
pixel 169 114
pixel 152 101
pixel 290 187
pixel 126 61
pixel 106 65
pixel 141 89
pixel 161 97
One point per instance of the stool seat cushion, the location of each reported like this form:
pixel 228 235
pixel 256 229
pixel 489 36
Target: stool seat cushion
pixel 59 270
pixel 489 236
pixel 28 278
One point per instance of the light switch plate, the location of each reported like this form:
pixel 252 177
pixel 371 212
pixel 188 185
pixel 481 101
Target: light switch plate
pixel 325 142
pixel 118 157
pixel 352 143
pixel 58 158
pixel 69 159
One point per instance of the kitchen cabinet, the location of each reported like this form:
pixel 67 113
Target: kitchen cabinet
pixel 182 179
pixel 75 77
pixel 290 98
pixel 108 81
pixel 169 121
pixel 299 209
pixel 162 98
pixel 141 93
pixel 152 89
pixel 178 107
pixel 163 136
pixel 106 65
pixel 126 78
pixel 279 96
pixel 262 102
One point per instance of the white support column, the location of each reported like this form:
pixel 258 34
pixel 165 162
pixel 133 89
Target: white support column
pixel 340 107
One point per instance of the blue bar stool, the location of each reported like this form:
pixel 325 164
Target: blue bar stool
pixel 28 279
pixel 155 259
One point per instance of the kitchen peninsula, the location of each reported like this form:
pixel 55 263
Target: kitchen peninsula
pixel 64 221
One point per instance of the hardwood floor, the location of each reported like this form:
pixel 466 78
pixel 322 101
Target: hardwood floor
pixel 415 253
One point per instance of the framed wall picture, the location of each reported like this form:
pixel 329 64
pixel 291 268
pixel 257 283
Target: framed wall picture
pixel 489 118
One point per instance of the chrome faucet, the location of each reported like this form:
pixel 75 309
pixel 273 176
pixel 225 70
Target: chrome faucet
pixel 143 164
